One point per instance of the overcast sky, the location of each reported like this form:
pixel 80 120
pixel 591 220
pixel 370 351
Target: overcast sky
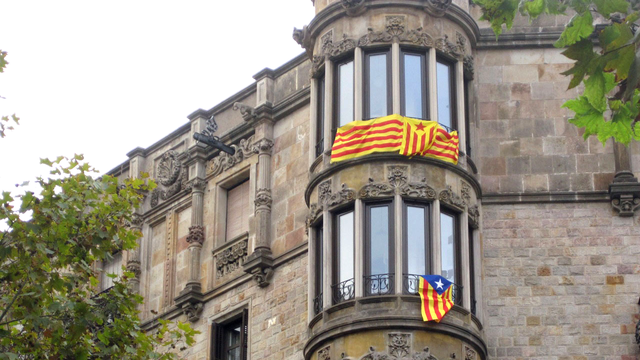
pixel 103 77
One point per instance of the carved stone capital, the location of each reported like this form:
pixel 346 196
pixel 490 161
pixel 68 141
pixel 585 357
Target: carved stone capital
pixel 437 8
pixel 197 184
pixel 196 235
pixel 260 266
pixel 624 192
pixel 354 7
pixel 263 146
pixel 134 267
pixel 137 221
pixel 248 113
pixel 263 199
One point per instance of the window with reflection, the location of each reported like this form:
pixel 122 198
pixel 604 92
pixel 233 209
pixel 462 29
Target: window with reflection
pixel 445 94
pixel 320 118
pixel 344 93
pixel 413 87
pixel 449 252
pixel 379 248
pixel 377 84
pixel 229 338
pixel 416 245
pixel 344 286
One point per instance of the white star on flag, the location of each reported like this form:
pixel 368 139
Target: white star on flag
pixel 439 283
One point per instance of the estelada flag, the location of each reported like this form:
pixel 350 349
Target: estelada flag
pixel 359 138
pixel 417 136
pixel 436 293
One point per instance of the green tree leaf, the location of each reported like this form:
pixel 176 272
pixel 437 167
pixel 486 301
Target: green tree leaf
pixel 606 7
pixel 580 27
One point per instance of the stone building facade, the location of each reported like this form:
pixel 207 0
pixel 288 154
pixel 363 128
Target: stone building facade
pixel 275 253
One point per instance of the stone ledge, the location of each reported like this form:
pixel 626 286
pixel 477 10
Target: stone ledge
pixel 546 197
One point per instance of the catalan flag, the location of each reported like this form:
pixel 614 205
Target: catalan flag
pixel 445 146
pixel 436 293
pixel 359 138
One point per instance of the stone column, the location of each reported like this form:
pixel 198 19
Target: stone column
pixel 196 234
pixel 136 163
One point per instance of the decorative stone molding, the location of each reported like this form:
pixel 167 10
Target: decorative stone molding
pixel 324 353
pixel 474 216
pixel 324 191
pixel 314 213
pixel 196 234
pixel 469 353
pixel 397 176
pixel 263 199
pixel 465 190
pixel 224 161
pixel 446 46
pixel 338 49
pixel 231 258
pixel 354 7
pixel 247 112
pixel 341 197
pixel 447 196
pixel 399 345
pixel 419 190
pixel 625 193
pixel 468 65
pixel 425 354
pixel 263 146
pixel 374 190
pixel 437 8
pixel 263 276
pixel 302 37
pixel 134 267
pixel 192 311
pixel 137 221
pixel 170 175
pixel 196 184
pixel 317 61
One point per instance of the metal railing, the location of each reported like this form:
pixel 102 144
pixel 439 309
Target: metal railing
pixel 343 291
pixel 379 284
pixel 411 286
pixel 317 304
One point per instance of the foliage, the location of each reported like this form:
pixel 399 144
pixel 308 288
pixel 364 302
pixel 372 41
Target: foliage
pixel 48 244
pixel 609 106
pixel 5 119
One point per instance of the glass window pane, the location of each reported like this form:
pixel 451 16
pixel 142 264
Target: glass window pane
pixel 234 336
pixel 444 94
pixel 345 113
pixel 416 241
pixel 345 222
pixel 447 246
pixel 413 91
pixel 233 354
pixel 377 85
pixel 320 120
pixel 379 242
pixel 319 260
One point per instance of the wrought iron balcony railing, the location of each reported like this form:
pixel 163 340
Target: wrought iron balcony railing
pixel 379 284
pixel 343 291
pixel 411 285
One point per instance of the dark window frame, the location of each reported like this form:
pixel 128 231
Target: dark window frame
pixel 320 115
pixel 457 254
pixel 335 244
pixel 319 258
pixel 452 89
pixel 467 121
pixel 226 215
pixel 220 331
pixel 389 204
pixel 405 236
pixel 426 115
pixel 336 91
pixel 366 76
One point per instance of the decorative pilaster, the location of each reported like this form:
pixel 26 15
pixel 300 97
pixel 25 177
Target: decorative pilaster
pixel 260 262
pixel 133 261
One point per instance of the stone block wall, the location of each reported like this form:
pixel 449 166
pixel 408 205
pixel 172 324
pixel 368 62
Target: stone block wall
pixel 525 143
pixel 561 281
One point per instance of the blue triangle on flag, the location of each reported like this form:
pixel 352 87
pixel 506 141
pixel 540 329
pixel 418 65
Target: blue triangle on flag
pixel 439 283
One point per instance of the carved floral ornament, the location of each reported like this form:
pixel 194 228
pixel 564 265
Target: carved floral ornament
pixel 395 30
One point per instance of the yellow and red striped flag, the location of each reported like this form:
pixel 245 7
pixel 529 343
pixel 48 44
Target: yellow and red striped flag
pixel 418 136
pixel 359 138
pixel 445 146
pixel 436 293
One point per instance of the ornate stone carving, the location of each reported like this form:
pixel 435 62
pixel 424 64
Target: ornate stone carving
pixel 375 355
pixel 399 345
pixel 134 267
pixel 263 276
pixel 192 311
pixel 374 37
pixel 263 199
pixel 170 176
pixel 449 197
pixel 343 46
pixel 324 353
pixel 468 65
pixel 353 7
pixel 373 190
pixel 343 196
pixel 324 191
pixel 136 221
pixel 419 190
pixel 425 354
pixel 314 213
pixel 316 63
pixel 395 25
pixel 465 190
pixel 301 36
pixel 418 37
pixel 437 8
pixel 446 46
pixel 196 234
pixel 469 353
pixel 246 111
pixel 197 184
pixel 624 193
pixel 263 146
pixel 474 216
pixel 397 176
pixel 626 205
pixel 231 258
pixel 326 41
pixel 224 161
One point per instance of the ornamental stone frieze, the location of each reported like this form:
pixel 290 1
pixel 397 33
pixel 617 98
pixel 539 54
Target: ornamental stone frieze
pixel 374 190
pixel 170 175
pixel 327 197
pixel 425 354
pixel 447 196
pixel 231 258
pixel 224 161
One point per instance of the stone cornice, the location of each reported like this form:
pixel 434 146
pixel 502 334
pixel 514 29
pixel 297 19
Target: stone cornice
pixel 335 11
pixel 545 197
pixel 542 39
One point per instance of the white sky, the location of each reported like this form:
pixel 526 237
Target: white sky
pixel 103 77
